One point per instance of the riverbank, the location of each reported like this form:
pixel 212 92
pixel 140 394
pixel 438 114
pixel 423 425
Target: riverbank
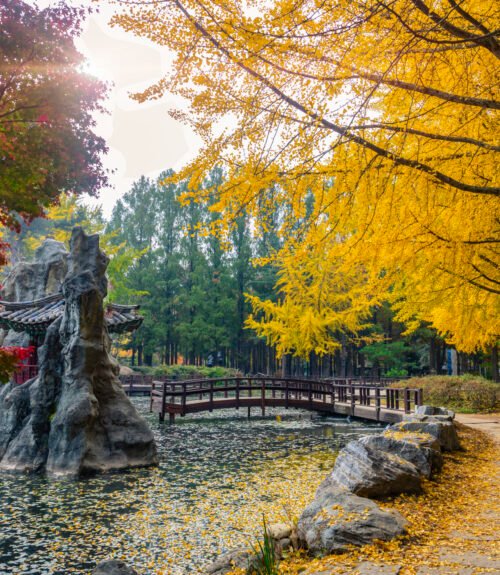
pixel 454 524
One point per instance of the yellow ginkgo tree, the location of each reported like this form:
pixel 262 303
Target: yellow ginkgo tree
pixel 386 113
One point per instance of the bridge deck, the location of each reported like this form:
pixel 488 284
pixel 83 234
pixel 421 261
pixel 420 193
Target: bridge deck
pixel 366 401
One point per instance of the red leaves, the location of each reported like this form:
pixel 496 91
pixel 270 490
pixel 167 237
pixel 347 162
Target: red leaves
pixel 19 353
pixel 10 357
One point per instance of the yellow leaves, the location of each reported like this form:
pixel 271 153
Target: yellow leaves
pixel 450 519
pixel 314 92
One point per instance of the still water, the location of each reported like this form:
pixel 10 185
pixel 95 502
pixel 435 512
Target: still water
pixel 219 475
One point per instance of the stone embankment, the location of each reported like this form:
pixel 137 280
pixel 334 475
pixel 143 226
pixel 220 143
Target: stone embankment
pixel 343 512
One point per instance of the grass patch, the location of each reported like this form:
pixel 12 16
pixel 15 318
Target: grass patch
pixel 462 393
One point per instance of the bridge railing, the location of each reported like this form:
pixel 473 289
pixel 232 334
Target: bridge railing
pixel 179 396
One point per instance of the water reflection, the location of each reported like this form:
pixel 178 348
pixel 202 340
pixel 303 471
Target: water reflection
pixel 218 474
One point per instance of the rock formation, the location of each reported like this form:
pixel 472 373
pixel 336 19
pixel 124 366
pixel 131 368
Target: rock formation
pixel 34 280
pixel 370 472
pixel 342 513
pixel 74 418
pixel 337 519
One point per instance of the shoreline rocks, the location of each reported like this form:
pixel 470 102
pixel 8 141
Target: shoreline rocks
pixel 338 518
pixel 369 471
pixel 113 567
pixel 343 513
pixel 376 466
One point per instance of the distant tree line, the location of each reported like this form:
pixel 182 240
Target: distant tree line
pixel 192 280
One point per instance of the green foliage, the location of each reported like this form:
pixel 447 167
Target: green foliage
pixel 395 357
pixel 462 393
pixel 195 275
pixel 266 562
pixel 8 362
pixel 181 372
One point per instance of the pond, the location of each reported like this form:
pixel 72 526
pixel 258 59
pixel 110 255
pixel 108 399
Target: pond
pixel 219 474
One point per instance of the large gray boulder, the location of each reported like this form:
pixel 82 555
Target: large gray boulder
pixel 74 418
pixel 113 567
pixel 439 426
pixel 365 470
pixel 420 449
pixel 28 281
pixel 337 519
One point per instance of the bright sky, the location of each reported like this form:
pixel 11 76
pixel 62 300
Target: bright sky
pixel 142 138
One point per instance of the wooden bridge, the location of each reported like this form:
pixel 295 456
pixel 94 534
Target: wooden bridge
pixel 364 400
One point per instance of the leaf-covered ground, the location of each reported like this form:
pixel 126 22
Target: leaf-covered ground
pixel 454 526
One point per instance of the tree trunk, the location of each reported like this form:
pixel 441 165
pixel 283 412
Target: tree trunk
pixel 495 375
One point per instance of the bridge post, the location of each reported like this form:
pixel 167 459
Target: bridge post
pixel 407 400
pixel 377 402
pixel 237 393
pixel 183 400
pixel 248 412
pixel 353 397
pixel 287 393
pixel 151 397
pixel 163 401
pixel 171 418
pixel 211 396
pixel 419 397
pixel 263 398
pixel 310 394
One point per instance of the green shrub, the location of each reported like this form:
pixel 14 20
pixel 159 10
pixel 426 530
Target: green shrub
pixel 181 372
pixel 462 393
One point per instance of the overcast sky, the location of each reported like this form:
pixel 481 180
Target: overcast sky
pixel 142 138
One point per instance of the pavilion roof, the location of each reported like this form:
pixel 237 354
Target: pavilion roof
pixel 34 317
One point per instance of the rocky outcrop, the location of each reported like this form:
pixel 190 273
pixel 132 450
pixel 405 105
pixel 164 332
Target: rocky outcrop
pixel 341 514
pixel 113 567
pixel 366 470
pixel 28 281
pixel 337 519
pixel 375 466
pixel 74 418
pixel 439 426
pixel 420 449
